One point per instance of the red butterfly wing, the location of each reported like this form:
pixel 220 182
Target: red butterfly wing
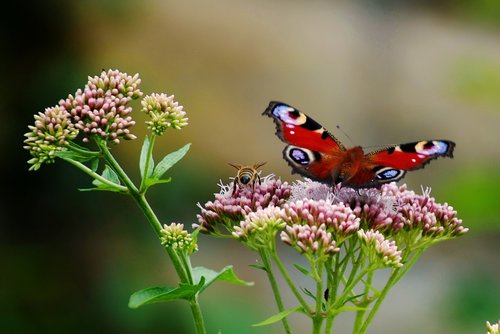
pixel 390 164
pixel 296 128
pixel 312 151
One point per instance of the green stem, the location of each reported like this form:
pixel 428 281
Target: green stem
pixel 366 300
pixel 318 315
pixel 396 275
pixel 197 315
pixel 290 283
pixel 93 174
pixel 264 255
pixel 184 272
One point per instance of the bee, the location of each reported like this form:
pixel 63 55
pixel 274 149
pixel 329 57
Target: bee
pixel 247 175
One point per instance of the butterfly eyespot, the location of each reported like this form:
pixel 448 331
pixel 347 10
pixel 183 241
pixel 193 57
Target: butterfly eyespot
pixel 388 173
pixel 300 156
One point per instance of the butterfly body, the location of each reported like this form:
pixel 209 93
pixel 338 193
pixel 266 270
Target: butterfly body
pixel 314 152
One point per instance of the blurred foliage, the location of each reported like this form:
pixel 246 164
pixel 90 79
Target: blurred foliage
pixel 477 80
pixel 472 300
pixel 475 197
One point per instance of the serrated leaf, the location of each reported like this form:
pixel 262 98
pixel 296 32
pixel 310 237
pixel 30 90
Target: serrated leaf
pixel 303 270
pixel 226 274
pixel 279 316
pixel 143 159
pixel 163 294
pixel 168 161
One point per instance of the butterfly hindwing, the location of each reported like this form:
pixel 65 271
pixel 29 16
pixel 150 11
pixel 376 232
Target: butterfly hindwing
pixel 391 164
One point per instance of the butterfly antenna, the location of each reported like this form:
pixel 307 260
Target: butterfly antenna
pixel 344 133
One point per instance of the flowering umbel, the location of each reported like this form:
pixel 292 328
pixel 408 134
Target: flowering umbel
pixel 164 112
pixel 174 236
pixel 101 109
pixel 51 133
pixel 229 209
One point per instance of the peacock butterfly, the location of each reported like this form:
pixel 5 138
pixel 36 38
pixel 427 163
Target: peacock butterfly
pixel 315 153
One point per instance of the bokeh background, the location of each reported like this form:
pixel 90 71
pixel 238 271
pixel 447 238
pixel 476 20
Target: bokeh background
pixel 386 72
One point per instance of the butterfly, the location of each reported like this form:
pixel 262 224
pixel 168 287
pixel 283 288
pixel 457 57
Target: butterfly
pixel 315 153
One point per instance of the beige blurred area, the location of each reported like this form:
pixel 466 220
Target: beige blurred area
pixel 384 72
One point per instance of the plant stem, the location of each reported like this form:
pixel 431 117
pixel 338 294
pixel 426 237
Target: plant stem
pixel 184 272
pixel 197 315
pixel 290 283
pixel 318 317
pixel 93 174
pixel 366 300
pixel 264 255
pixel 396 275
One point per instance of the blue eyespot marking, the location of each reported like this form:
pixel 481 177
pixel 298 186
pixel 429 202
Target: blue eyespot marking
pixel 299 156
pixel 388 173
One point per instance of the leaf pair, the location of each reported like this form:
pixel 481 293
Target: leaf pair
pixel 152 174
pixel 203 278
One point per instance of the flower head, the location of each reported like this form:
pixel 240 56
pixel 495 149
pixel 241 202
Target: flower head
pixel 258 228
pixel 51 133
pixel 314 240
pixel 174 236
pixel 164 112
pixel 101 109
pixel 493 328
pixel 338 216
pixel 229 209
pixel 385 250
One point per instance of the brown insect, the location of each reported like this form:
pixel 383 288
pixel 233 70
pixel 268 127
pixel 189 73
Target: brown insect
pixel 247 175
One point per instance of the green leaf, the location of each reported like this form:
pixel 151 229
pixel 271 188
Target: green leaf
pixel 279 316
pixel 226 274
pixel 151 182
pixel 94 164
pixel 168 161
pixel 109 175
pixel 258 266
pixel 303 270
pixel 309 293
pixel 164 294
pixel 143 158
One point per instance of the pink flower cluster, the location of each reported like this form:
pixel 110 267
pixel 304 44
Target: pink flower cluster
pixel 229 209
pixel 51 133
pixel 101 107
pixel 318 225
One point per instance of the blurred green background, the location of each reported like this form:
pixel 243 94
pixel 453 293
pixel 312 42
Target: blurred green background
pixel 387 72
